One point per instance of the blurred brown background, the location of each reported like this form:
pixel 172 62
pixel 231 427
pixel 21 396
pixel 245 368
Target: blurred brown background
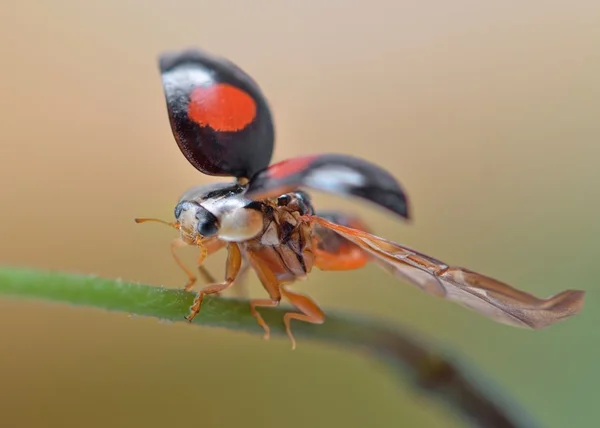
pixel 486 111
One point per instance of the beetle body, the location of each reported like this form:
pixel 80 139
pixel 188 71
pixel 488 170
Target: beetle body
pixel 272 233
pixel 223 126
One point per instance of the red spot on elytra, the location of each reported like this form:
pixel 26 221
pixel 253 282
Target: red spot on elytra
pixel 222 107
pixel 290 166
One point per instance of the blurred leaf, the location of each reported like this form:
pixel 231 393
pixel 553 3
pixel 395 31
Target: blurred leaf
pixel 432 371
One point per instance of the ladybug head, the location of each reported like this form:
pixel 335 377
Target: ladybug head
pixel 219 210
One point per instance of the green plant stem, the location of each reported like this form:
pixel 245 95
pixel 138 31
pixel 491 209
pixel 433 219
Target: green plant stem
pixel 430 370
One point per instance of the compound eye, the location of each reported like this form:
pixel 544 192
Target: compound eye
pixel 207 223
pixel 207 229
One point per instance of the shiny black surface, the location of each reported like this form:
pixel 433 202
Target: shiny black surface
pixel 336 174
pixel 239 153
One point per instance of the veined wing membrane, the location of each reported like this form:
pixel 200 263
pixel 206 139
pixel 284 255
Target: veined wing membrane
pixel 488 296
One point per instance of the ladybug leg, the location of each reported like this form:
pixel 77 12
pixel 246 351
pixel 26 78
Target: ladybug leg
pixel 262 303
pixel 240 289
pixel 178 243
pixel 211 246
pixel 206 249
pixel 270 282
pixel 310 312
pixel 206 275
pixel 234 262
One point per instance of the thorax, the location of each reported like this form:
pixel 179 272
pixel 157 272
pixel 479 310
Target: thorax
pixel 285 245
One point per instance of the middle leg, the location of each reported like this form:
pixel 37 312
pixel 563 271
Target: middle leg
pixel 270 282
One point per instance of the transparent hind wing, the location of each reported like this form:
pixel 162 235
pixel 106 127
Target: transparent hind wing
pixel 488 296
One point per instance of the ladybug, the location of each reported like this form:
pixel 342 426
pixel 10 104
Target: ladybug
pixel 265 220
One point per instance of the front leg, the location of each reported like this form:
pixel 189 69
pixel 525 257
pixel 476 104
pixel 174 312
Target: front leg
pixel 234 262
pixel 206 248
pixel 240 288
